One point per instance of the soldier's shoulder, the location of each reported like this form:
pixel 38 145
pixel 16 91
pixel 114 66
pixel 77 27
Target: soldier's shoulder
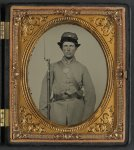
pixel 81 65
pixel 54 64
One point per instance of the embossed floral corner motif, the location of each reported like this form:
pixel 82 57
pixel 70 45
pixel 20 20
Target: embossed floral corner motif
pixel 26 122
pixel 30 23
pixel 104 124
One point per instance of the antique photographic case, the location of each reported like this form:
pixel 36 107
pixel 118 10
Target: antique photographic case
pixel 34 32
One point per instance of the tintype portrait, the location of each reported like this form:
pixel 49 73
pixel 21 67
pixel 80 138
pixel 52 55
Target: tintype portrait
pixel 71 85
pixel 67 74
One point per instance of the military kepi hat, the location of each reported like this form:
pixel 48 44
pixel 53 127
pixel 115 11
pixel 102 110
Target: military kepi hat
pixel 69 37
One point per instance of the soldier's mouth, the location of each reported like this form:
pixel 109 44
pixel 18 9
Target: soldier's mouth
pixel 68 53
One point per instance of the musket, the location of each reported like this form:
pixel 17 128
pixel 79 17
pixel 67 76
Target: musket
pixel 48 89
pixel 48 84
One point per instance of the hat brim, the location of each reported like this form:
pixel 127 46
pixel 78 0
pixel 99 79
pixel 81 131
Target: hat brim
pixel 60 44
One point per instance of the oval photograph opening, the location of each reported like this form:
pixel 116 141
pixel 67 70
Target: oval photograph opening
pixel 67 74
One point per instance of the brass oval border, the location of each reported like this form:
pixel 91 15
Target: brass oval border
pixel 25 61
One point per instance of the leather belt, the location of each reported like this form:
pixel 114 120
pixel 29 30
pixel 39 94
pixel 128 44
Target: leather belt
pixel 66 96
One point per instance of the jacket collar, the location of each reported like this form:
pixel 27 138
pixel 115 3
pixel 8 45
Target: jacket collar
pixel 66 61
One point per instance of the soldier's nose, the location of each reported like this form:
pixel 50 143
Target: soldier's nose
pixel 68 49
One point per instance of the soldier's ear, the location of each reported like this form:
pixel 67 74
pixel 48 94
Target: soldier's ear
pixel 61 47
pixel 60 44
pixel 76 47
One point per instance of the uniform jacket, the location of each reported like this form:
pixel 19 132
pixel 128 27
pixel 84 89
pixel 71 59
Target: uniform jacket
pixel 68 78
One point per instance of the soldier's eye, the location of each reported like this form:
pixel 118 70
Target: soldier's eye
pixel 65 45
pixel 71 45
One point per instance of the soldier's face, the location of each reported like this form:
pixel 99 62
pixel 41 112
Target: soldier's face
pixel 68 49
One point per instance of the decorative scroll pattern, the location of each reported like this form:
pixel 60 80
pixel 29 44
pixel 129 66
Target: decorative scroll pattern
pixel 104 124
pixel 107 24
pixel 18 133
pixel 66 136
pixel 117 133
pixel 29 23
pixel 119 76
pixel 27 124
pixel 115 16
pixel 67 12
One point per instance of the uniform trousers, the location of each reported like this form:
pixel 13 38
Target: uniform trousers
pixel 67 112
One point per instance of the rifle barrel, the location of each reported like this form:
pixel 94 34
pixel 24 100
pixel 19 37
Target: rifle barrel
pixel 48 89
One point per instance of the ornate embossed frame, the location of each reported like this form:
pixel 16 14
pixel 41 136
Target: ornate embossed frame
pixel 107 25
